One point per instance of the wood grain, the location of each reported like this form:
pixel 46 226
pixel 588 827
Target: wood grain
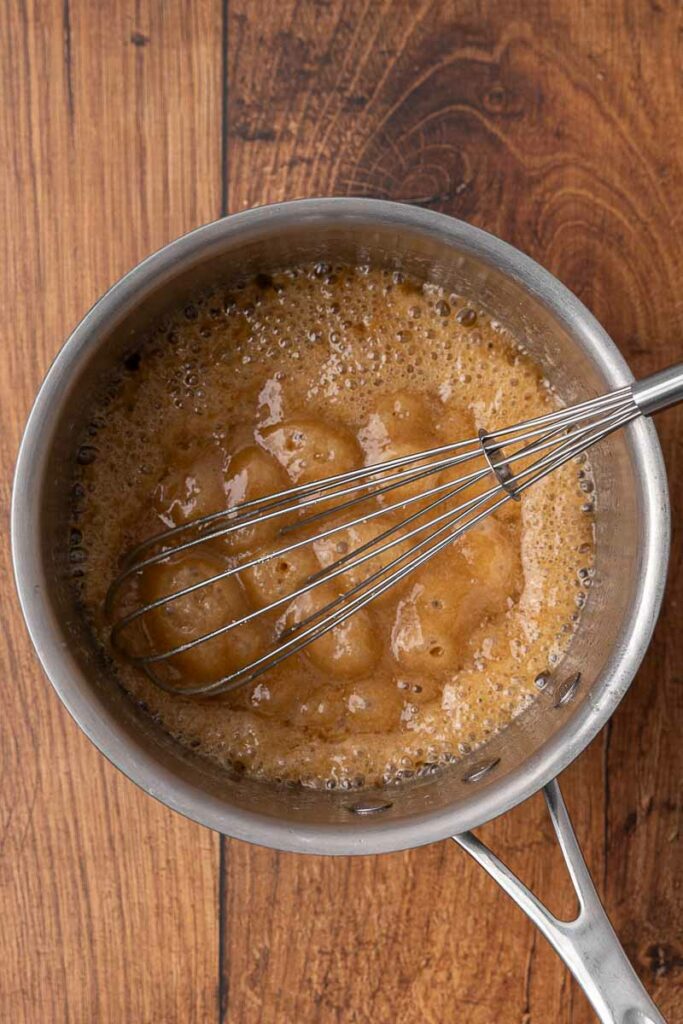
pixel 110 141
pixel 124 124
pixel 550 125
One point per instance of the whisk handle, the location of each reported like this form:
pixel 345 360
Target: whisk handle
pixel 659 390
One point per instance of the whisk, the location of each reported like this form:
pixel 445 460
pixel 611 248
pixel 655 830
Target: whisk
pixel 510 460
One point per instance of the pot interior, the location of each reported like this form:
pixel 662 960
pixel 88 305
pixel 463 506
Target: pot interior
pixel 579 361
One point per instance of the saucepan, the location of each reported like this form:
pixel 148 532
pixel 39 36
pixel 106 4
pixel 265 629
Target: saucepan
pixel 632 540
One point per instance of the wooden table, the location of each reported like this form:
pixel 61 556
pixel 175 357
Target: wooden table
pixel 125 123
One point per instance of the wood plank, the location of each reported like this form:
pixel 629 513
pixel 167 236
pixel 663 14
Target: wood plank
pixel 110 141
pixel 550 125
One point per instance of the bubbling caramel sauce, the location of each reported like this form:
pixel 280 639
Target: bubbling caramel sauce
pixel 285 380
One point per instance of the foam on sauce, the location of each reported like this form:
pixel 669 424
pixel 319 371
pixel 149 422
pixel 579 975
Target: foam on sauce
pixel 288 379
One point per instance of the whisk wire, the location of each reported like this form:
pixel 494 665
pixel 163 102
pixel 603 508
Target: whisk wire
pixel 271 506
pixel 559 456
pixel 448 487
pixel 516 457
pixel 324 616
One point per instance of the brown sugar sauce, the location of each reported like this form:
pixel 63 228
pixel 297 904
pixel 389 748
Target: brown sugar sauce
pixel 284 380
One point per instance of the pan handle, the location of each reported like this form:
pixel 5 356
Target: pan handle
pixel 588 944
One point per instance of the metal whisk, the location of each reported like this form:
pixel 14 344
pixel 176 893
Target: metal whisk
pixel 512 459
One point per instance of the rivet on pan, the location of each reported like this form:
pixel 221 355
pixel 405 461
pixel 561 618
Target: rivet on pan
pixel 478 771
pixel 542 680
pixel 370 806
pixel 566 691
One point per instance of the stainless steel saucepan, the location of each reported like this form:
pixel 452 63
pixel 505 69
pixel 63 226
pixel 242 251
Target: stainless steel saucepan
pixel 632 548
